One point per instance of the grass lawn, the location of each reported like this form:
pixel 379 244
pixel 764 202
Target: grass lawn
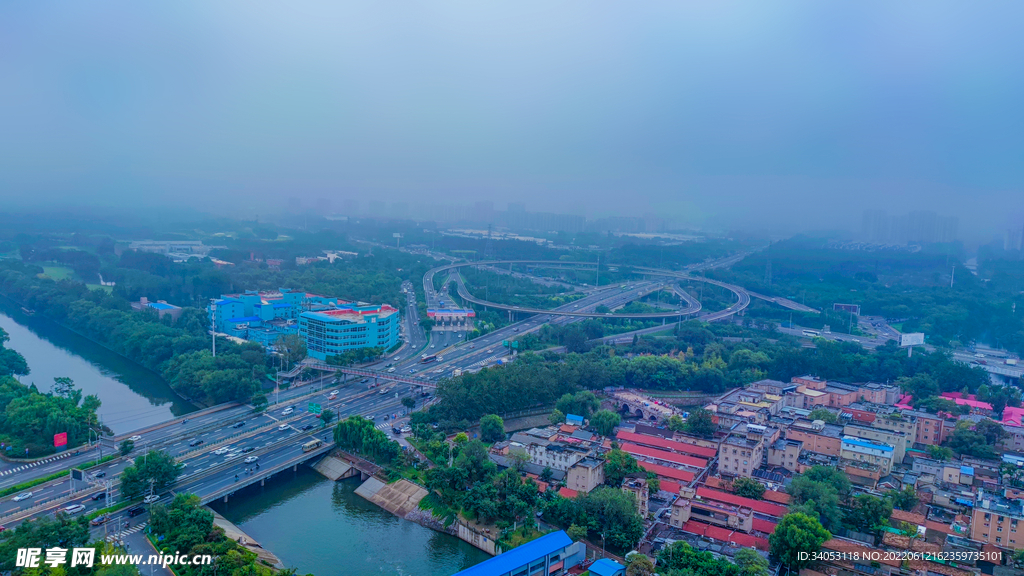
pixel 57 272
pixel 109 289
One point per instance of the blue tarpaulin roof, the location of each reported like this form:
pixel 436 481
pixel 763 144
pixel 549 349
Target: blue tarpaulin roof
pixel 606 567
pixel 969 470
pixel 161 306
pixel 965 502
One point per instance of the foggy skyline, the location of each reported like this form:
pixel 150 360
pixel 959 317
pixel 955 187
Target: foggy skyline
pixel 783 115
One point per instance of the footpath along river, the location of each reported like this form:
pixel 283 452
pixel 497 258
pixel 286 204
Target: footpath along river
pixel 310 523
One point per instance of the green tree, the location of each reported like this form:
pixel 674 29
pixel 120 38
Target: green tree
pixel 556 417
pixel 326 417
pixel 675 423
pixel 748 488
pixel 125 447
pixel 291 347
pixel 605 421
pixel 940 453
pixel 701 423
pixel 157 469
pixel 492 428
pixel 409 402
pixel 833 477
pixel 576 532
pixel 259 402
pixel 638 564
pixel 751 563
pixel 460 439
pixel 904 499
pixel 582 404
pixel 546 474
pixel 823 414
pixel 868 513
pixel 816 499
pixel 63 387
pixel 617 464
pixel 794 534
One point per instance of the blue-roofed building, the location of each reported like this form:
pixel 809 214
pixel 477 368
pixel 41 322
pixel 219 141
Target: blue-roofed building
pixel 574 419
pixel 607 567
pixel 868 451
pixel 327 325
pixel 550 555
pixel 161 307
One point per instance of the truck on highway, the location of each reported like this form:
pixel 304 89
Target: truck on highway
pixel 1011 361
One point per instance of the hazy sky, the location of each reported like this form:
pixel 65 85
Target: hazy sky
pixel 772 113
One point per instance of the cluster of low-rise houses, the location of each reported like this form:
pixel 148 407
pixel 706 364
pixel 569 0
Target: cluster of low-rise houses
pixel 765 432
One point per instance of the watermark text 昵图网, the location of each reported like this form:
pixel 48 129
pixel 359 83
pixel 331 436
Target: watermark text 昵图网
pixel 53 557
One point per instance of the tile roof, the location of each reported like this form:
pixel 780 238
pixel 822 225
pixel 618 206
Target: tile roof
pixel 725 535
pixel 663 455
pixel 760 506
pixel 666 472
pixel 671 445
pixel 764 526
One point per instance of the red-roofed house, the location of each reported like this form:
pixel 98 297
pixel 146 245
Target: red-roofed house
pixel 764 526
pixel 664 456
pixel 567 493
pixel 759 506
pixel 666 444
pixel 666 473
pixel 670 487
pixel 777 497
pixel 725 535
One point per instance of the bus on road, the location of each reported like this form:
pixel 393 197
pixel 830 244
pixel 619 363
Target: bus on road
pixel 812 333
pixel 428 358
pixel 312 445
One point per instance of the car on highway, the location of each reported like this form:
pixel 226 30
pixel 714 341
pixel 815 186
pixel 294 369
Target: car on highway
pixel 282 427
pixel 99 475
pixel 238 424
pixel 247 449
pixel 232 455
pixel 100 520
pixel 287 411
pixel 392 369
pixel 221 451
pixel 133 512
pixel 150 499
pixel 99 496
pixel 73 509
pixel 22 496
pixel 135 438
pixel 195 442
pixel 364 380
pixel 251 459
pixel 432 346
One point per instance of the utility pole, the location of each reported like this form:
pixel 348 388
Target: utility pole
pixel 951 275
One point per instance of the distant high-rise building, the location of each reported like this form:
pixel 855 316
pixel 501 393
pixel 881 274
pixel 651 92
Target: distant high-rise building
pixel 922 226
pixel 483 211
pixel 323 205
pixel 377 209
pixel 1013 238
pixel 350 206
pixel 517 207
pixel 875 226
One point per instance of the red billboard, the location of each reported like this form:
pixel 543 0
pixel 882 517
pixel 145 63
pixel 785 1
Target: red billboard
pixel 60 439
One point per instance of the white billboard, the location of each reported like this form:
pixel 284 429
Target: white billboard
pixel 913 339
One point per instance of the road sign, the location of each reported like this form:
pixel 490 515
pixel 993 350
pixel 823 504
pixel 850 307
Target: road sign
pixel 60 439
pixel 504 343
pixel 314 408
pixel 77 474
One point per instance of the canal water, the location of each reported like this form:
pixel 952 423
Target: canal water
pixel 132 397
pixel 324 528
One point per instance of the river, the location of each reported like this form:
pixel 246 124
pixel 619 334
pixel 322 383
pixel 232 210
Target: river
pixel 132 397
pixel 312 524
pixel 324 528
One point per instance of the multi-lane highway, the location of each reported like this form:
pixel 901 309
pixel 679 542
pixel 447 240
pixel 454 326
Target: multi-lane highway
pixel 212 456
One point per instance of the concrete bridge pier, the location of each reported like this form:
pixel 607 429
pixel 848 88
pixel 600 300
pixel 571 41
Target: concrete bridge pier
pixel 225 498
pixel 263 482
pixel 295 468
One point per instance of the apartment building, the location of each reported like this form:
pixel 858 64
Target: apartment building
pixel 894 438
pixel 785 453
pixel 638 488
pixel 876 453
pixel 741 454
pixel 885 417
pixel 816 436
pixel 690 506
pixel 585 475
pixel 998 521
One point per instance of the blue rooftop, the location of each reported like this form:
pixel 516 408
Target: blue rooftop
pixel 968 470
pixel 226 301
pixel 606 567
pixel 519 557
pixel 162 306
pixel 573 418
pixel 866 444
